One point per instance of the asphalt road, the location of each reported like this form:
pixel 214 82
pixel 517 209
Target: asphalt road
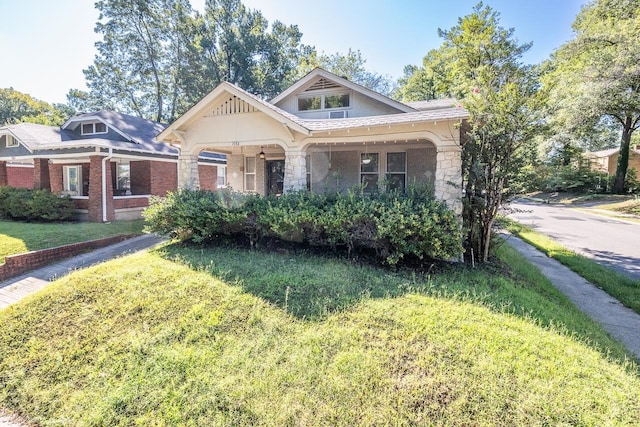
pixel 609 241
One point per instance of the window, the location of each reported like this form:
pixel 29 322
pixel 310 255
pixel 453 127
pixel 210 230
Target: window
pixel 222 177
pixel 336 101
pixel 308 161
pixel 369 167
pixel 396 171
pixel 123 177
pixel 250 174
pixel 93 128
pixel 72 180
pixel 324 102
pixel 309 103
pixel 11 141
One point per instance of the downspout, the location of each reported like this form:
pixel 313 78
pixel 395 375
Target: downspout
pixel 104 185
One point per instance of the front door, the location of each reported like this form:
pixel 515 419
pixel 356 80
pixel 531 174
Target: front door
pixel 275 177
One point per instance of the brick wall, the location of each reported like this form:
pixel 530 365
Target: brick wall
pixel 131 202
pixel 55 178
pixel 163 177
pixel 3 174
pixel 19 177
pixel 17 264
pixel 41 174
pixel 208 177
pixel 140 177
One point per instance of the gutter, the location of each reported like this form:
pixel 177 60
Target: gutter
pixel 104 185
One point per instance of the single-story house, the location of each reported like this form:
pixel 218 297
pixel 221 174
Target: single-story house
pixel 324 133
pixel 607 160
pixel 108 163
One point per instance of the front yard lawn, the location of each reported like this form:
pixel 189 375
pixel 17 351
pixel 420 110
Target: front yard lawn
pixel 19 237
pixel 221 336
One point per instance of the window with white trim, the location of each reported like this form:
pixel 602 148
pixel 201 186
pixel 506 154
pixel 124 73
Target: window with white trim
pixel 11 141
pixel 396 171
pixel 369 171
pixel 93 128
pixel 327 101
pixel 72 180
pixel 308 165
pixel 222 177
pixel 250 174
pixel 123 177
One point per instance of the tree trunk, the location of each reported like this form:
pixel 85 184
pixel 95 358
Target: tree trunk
pixel 623 157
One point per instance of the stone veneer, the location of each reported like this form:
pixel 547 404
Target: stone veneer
pixel 295 171
pixel 448 180
pixel 188 171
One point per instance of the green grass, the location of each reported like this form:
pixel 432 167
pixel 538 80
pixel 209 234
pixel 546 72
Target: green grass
pixel 19 237
pixel 629 207
pixel 220 336
pixel 626 290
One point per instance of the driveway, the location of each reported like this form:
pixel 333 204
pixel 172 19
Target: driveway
pixel 609 241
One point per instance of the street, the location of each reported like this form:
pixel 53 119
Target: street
pixel 609 241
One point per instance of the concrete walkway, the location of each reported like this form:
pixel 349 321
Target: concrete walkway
pixel 13 290
pixel 621 322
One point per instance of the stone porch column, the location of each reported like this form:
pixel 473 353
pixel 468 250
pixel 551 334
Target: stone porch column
pixel 188 176
pixel 295 171
pixel 41 179
pixel 4 179
pixel 448 179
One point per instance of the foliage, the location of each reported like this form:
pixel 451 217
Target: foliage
pixel 157 58
pixel 18 107
pixel 34 205
pixel 479 61
pixel 595 75
pixel 19 237
pixel 209 337
pixel 575 179
pixel 393 225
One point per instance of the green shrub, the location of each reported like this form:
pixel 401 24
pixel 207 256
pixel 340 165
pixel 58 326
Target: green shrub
pixel 576 179
pixel 34 205
pixel 394 225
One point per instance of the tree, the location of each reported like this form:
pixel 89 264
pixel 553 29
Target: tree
pixel 18 107
pixel 139 62
pixel 479 63
pixel 597 74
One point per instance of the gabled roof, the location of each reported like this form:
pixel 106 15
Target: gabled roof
pixel 205 104
pixel 319 73
pixel 609 152
pixel 434 104
pixel 134 129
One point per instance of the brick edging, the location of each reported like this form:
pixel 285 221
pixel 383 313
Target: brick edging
pixel 15 265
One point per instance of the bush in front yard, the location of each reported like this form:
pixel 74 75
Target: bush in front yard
pixel 394 225
pixel 22 204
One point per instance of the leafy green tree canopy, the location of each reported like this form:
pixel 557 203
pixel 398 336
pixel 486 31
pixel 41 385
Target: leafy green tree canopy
pixel 597 73
pixel 18 107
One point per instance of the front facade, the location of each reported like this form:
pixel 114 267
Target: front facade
pixel 322 134
pixel 109 163
pixel 607 160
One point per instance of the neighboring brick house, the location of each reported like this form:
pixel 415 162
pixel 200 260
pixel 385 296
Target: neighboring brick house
pixel 108 163
pixel 324 133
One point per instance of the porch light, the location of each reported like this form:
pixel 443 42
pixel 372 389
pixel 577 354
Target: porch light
pixel 261 154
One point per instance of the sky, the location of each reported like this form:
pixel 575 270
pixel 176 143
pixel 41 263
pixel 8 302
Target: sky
pixel 45 44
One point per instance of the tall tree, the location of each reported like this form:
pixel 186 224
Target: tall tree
pixel 597 74
pixel 18 107
pixel 480 63
pixel 139 55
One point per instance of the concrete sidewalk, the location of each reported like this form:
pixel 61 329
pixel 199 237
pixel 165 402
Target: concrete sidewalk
pixel 619 321
pixel 15 289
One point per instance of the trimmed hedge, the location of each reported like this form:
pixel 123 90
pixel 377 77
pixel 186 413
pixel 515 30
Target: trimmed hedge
pixel 22 204
pixel 394 225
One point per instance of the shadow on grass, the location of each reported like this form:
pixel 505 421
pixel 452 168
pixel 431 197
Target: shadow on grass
pixel 311 287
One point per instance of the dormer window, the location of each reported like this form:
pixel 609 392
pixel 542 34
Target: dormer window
pixel 93 128
pixel 11 141
pixel 324 101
